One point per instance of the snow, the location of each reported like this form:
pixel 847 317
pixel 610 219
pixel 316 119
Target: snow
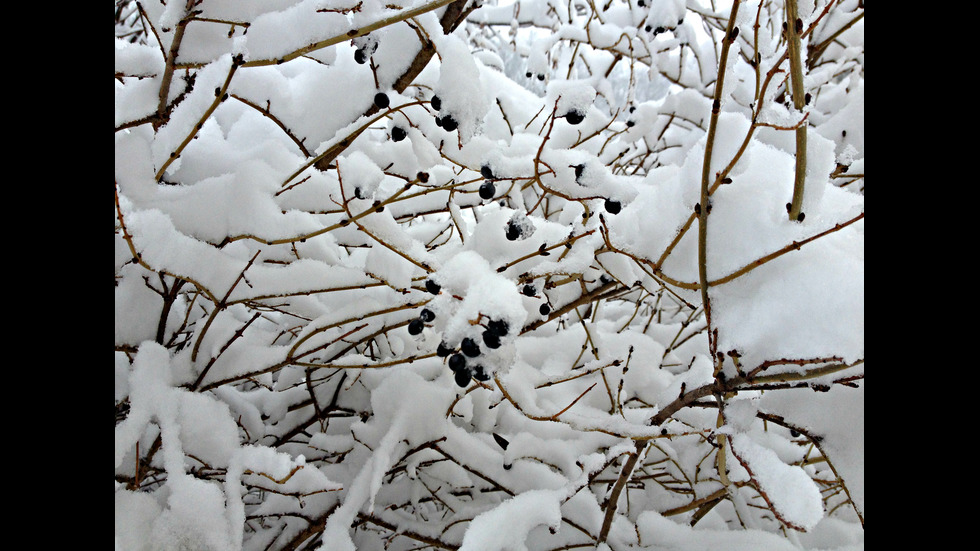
pixel 792 494
pixel 306 25
pixel 506 527
pixel 838 418
pixel 460 86
pixel 137 59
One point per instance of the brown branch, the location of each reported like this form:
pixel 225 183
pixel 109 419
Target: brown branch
pixel 624 476
pixel 401 531
pixel 171 58
pixel 794 246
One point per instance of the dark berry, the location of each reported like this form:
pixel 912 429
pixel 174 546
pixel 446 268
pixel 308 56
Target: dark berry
pixel 659 30
pixel 449 123
pixel 794 433
pixel 415 327
pixel 486 172
pixel 463 378
pixel 630 124
pixel 529 290
pixel 398 134
pixel 381 100
pixel 426 315
pixel 579 169
pixel 423 177
pixel 358 194
pixel 480 374
pixel 640 3
pixel 540 76
pixel 613 206
pixel 575 117
pixel 498 327
pixel 487 190
pixel 436 103
pixel 491 339
pixel 501 441
pixel 457 362
pixel 432 287
pixel 544 309
pixel 360 57
pixel 439 122
pixel 513 231
pixel 469 347
pixel 442 350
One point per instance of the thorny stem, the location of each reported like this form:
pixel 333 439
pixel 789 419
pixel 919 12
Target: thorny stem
pixel 168 73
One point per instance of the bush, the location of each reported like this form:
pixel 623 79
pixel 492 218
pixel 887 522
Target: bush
pixel 450 274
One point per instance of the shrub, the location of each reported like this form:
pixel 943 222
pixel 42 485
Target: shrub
pixel 454 274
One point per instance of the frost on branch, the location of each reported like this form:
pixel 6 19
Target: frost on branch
pixel 488 275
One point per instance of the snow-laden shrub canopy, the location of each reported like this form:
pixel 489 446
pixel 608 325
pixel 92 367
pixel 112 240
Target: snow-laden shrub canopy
pixel 489 274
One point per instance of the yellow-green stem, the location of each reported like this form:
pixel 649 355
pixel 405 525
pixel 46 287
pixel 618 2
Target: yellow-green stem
pixel 794 27
pixel 706 168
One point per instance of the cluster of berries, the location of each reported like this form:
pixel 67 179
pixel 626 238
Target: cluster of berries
pixel 463 360
pixel 444 120
pixel 487 189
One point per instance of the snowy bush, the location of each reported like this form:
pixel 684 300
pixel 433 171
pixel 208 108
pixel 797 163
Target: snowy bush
pixel 489 275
